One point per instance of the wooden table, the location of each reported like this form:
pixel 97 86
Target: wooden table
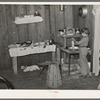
pixel 23 51
pixel 65 37
pixel 70 52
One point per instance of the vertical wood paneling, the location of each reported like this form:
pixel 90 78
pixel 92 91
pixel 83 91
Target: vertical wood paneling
pixel 68 16
pixel 22 28
pixel 89 23
pixel 9 22
pixel 41 25
pixel 1 37
pixel 63 18
pixel 47 33
pixel 52 21
pixel 5 58
pixel 59 17
pixel 75 17
pixel 32 28
pixel 14 33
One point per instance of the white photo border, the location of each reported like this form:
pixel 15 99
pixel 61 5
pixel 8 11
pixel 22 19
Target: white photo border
pixel 50 94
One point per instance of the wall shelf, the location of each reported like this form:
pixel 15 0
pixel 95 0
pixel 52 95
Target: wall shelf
pixel 28 19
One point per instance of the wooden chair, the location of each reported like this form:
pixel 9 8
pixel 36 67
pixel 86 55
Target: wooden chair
pixel 5 83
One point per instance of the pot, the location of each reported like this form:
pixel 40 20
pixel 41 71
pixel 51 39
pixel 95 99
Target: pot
pixel 83 11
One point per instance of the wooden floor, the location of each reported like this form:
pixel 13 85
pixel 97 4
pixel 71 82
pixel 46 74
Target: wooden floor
pixel 31 80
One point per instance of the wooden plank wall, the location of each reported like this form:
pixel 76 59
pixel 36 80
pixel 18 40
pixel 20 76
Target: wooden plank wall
pixel 10 33
pixel 80 22
pixel 59 19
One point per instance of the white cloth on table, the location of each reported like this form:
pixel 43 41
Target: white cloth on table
pixel 22 51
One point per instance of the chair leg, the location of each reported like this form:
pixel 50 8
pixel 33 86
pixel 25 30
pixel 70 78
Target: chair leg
pixel 60 69
pixel 69 58
pixel 42 71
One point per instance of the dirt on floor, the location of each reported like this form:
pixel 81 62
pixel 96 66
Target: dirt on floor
pixel 32 80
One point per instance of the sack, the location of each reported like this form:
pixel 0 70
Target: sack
pixel 53 76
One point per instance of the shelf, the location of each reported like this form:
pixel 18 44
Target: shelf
pixel 70 36
pixel 28 19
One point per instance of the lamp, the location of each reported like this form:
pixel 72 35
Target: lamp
pixel 37 13
pixel 61 7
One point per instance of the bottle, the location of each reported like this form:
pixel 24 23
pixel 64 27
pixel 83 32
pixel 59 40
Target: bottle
pixel 62 60
pixel 72 44
pixel 50 42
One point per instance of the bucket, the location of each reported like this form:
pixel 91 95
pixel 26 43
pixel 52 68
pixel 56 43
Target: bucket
pixel 53 79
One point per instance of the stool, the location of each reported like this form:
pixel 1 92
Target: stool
pixel 44 65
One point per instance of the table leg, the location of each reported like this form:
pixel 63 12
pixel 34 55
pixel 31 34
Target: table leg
pixel 59 60
pixel 64 48
pixel 58 56
pixel 61 64
pixel 53 57
pixel 69 57
pixel 14 61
